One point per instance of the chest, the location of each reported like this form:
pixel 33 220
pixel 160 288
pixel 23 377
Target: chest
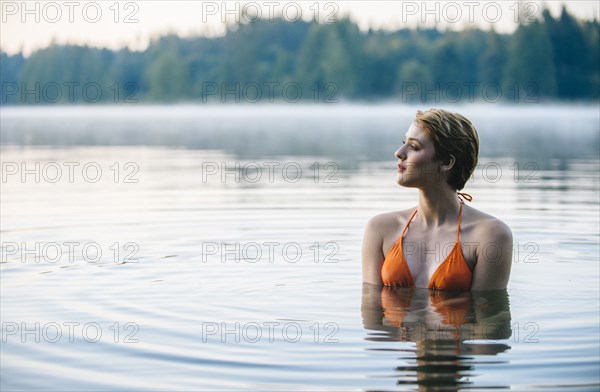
pixel 425 251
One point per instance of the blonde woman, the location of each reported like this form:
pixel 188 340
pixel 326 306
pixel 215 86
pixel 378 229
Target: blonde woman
pixel 442 243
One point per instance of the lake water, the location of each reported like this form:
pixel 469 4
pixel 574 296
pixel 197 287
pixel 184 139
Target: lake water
pixel 218 248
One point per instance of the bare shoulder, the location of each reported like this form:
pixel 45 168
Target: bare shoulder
pixel 388 221
pixel 485 227
pixel 493 252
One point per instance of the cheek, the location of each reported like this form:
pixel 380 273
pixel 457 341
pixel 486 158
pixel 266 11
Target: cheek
pixel 422 158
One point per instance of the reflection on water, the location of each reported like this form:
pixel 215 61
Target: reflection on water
pixel 448 329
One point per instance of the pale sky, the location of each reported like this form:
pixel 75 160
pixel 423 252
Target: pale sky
pixel 114 24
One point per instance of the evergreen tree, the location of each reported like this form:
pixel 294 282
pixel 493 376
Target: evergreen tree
pixel 168 78
pixel 529 72
pixel 591 32
pixel 492 60
pixel 570 49
pixel 326 59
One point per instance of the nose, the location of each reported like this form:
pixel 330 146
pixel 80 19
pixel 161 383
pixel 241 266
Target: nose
pixel 400 153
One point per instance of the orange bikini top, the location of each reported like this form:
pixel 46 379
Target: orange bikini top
pixel 453 274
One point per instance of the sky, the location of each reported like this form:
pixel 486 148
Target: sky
pixel 31 25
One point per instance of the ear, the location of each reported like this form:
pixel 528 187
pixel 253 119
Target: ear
pixel 447 166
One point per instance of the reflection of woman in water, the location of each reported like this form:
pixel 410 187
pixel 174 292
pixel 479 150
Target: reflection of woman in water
pixel 449 246
pixel 448 329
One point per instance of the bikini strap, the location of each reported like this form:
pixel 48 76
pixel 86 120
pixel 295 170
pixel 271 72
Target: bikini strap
pixel 407 223
pixel 468 198
pixel 459 216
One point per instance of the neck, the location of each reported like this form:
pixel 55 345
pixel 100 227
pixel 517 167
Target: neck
pixel 437 206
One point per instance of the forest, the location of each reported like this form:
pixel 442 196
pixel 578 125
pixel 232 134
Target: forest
pixel 552 59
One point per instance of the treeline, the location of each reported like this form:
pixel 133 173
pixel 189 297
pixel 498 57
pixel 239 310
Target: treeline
pixel 552 59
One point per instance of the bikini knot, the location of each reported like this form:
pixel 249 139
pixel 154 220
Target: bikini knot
pixel 465 195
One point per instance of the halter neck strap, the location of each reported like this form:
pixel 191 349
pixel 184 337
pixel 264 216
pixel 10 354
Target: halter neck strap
pixel 467 197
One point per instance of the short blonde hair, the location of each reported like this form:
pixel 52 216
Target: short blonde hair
pixel 452 134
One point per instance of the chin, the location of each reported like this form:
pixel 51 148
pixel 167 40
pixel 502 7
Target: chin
pixel 400 180
pixel 405 182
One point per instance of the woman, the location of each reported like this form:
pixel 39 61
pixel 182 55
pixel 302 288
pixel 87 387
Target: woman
pixel 441 244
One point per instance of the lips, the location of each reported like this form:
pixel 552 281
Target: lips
pixel 401 168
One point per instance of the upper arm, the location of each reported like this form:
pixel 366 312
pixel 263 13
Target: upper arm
pixel 372 254
pixel 494 257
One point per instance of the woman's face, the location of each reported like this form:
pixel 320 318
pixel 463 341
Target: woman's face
pixel 417 165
